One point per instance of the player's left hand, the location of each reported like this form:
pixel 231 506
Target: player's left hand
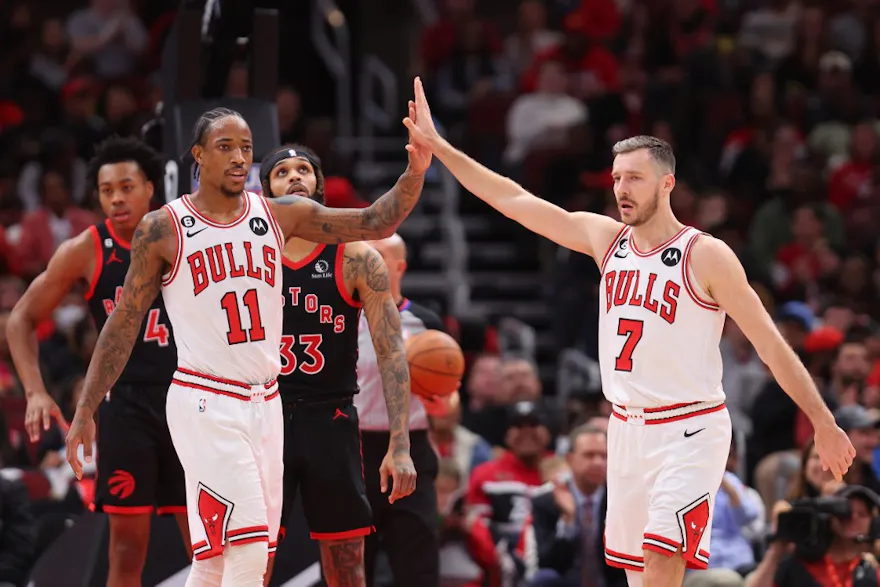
pixel 835 449
pixel 402 471
pixel 81 433
pixel 419 154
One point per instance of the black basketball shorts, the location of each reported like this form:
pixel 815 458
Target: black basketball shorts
pixel 138 468
pixel 322 459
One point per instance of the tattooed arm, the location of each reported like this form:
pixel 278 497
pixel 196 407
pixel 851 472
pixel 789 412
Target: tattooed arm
pixel 364 268
pixel 154 235
pixel 307 219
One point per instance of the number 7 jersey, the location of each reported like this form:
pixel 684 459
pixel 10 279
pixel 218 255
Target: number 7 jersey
pixel 223 292
pixel 659 332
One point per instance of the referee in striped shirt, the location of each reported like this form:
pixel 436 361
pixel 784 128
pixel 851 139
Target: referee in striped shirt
pixel 406 531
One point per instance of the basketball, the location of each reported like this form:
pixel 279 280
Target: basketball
pixel 436 363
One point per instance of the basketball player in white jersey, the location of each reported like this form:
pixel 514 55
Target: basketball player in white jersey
pixel 216 257
pixel 667 289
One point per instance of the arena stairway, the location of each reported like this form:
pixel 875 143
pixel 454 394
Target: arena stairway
pixel 504 269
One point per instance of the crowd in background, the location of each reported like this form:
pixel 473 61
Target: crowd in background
pixel 771 108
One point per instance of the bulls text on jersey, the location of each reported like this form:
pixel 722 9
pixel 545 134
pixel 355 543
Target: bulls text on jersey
pixel 217 263
pixel 628 287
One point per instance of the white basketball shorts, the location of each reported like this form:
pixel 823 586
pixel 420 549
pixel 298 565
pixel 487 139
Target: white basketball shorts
pixel 664 468
pixel 230 440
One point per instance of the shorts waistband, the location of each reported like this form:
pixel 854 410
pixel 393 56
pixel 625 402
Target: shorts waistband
pixel 228 387
pixel 318 402
pixel 664 414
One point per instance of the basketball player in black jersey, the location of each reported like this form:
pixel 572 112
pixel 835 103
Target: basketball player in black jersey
pixel 138 469
pixel 325 289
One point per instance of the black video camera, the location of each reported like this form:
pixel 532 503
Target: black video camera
pixel 808 523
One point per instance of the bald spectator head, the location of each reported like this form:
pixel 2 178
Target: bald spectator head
pixel 393 251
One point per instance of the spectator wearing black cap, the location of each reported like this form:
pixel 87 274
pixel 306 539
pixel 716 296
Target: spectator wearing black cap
pixel 501 490
pixel 861 427
pixel 847 560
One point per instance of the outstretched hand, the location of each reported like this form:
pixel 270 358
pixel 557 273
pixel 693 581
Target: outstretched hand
pixel 422 132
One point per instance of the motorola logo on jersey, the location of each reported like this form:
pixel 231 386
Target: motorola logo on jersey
pixel 259 226
pixel 627 288
pixel 671 257
pixel 231 260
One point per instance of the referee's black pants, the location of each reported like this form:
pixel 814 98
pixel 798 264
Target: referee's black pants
pixel 406 531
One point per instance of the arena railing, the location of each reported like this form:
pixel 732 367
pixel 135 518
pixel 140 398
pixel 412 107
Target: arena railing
pixel 332 39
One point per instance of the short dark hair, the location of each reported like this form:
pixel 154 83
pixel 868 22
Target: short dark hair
pixel 581 431
pixel 118 149
pixel 205 124
pixel 660 151
pixel 312 158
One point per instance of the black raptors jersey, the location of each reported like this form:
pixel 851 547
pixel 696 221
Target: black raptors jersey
pixel 319 346
pixel 154 357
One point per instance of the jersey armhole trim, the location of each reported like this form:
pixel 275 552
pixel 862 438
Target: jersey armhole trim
pixel 276 228
pixel 340 281
pixel 99 262
pixel 691 285
pixel 178 257
pixel 614 242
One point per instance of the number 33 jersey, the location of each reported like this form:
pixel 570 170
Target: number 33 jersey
pixel 223 293
pixel 659 331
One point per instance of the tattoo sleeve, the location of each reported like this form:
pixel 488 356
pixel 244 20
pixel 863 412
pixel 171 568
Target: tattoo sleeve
pixel 304 218
pixel 365 267
pixel 142 284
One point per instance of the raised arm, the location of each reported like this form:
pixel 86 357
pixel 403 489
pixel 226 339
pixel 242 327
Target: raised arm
pixel 718 270
pixel 307 219
pixel 302 217
pixel 71 263
pixel 584 232
pixel 154 234
pixel 365 268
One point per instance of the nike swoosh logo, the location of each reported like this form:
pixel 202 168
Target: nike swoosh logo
pixel 689 434
pixel 619 256
pixel 189 233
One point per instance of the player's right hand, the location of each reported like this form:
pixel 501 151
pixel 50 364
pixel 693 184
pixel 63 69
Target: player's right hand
pixel 402 471
pixel 81 433
pixel 835 449
pixel 41 408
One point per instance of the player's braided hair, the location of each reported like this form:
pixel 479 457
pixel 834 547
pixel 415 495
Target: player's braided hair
pixel 310 155
pixel 118 149
pixel 205 124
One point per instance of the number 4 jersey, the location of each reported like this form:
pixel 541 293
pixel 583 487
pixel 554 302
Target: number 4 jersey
pixel 153 357
pixel 320 329
pixel 223 293
pixel 658 330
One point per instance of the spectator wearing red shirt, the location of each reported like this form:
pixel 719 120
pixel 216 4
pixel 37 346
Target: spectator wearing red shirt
pixel 802 262
pixel 854 178
pixel 439 39
pixel 592 69
pixel 501 490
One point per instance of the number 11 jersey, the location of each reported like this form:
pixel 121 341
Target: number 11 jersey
pixel 659 332
pixel 223 292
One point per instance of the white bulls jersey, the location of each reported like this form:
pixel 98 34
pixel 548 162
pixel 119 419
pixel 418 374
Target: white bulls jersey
pixel 658 331
pixel 223 294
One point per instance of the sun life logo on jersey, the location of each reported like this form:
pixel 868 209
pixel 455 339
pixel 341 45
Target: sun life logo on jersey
pixel 259 226
pixel 671 257
pixel 322 268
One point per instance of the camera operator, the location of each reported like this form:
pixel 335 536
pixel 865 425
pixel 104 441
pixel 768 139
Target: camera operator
pixel 824 542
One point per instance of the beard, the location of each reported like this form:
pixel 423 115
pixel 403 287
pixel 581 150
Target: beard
pixel 229 192
pixel 650 209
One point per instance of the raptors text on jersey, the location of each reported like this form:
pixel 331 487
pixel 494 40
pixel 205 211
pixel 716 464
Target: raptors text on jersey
pixel 658 331
pixel 153 357
pixel 223 293
pixel 320 328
